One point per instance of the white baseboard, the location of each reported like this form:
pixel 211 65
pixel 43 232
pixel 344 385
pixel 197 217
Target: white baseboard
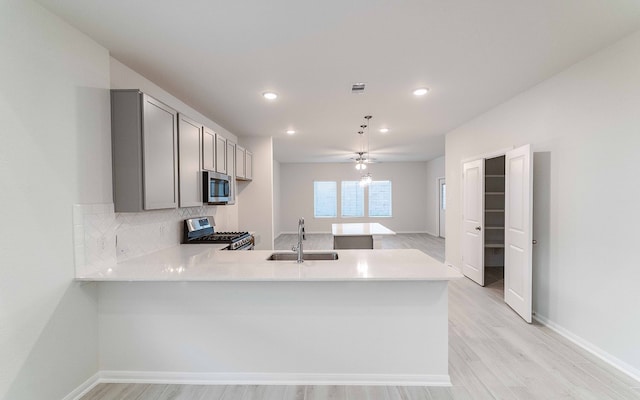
pixel 329 233
pixel 84 388
pixel 194 378
pixel 590 347
pixel 448 264
pixel 307 232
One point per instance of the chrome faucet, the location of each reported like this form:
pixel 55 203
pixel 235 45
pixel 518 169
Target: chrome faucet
pixel 301 237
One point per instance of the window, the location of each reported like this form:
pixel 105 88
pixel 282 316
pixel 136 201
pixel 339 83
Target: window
pixel 352 199
pixel 325 199
pixel 380 199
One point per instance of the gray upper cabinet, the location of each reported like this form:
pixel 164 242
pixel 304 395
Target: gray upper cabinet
pixel 221 154
pixel 189 142
pixel 240 153
pixel 208 149
pixel 231 159
pixel 244 164
pixel 145 152
pixel 248 165
pixel 231 167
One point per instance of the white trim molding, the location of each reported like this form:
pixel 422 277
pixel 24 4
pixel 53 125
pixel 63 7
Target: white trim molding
pixel 84 388
pixel 193 378
pixel 449 264
pixel 590 347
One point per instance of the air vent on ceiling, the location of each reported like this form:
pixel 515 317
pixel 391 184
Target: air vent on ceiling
pixel 357 88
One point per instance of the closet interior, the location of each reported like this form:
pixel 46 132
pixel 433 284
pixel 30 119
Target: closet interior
pixel 494 200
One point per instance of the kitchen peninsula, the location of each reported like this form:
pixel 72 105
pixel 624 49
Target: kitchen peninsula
pixel 193 313
pixel 359 235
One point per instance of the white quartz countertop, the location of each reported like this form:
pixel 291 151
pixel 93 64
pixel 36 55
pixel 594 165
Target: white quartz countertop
pixel 203 262
pixel 360 229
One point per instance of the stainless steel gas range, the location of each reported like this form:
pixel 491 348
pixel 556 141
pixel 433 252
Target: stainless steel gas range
pixel 201 230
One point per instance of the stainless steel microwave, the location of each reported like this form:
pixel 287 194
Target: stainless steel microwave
pixel 216 187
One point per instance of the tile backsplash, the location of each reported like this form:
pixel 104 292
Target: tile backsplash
pixel 103 237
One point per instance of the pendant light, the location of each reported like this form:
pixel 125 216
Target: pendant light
pixel 365 179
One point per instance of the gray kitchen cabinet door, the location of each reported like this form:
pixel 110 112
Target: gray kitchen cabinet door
pixel 208 149
pixel 248 165
pixel 231 159
pixel 144 151
pixel 231 167
pixel 160 155
pixel 221 154
pixel 240 154
pixel 190 182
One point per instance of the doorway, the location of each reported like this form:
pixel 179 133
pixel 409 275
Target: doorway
pixel 497 224
pixel 442 206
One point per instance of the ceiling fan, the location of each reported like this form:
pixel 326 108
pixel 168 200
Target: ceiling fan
pixel 363 157
pixel 362 160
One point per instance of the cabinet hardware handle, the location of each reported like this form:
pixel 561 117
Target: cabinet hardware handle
pixel 478 228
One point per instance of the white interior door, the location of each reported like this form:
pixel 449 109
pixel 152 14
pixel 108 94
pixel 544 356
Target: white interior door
pixel 518 281
pixel 473 221
pixel 442 190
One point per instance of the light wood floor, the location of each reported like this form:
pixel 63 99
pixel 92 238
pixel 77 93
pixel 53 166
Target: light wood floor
pixel 493 354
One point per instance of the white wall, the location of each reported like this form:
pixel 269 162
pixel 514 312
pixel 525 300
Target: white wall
pixel 54 108
pixel 255 198
pixel 277 230
pixel 123 77
pixel 434 170
pixel 584 127
pixel 409 190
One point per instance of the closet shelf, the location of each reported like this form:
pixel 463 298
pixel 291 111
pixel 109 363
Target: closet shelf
pixel 494 211
pixel 494 176
pixel 494 245
pixel 494 193
pixel 494 227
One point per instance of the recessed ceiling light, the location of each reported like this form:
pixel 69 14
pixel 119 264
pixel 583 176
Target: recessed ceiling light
pixel 421 91
pixel 270 95
pixel 291 132
pixel 384 130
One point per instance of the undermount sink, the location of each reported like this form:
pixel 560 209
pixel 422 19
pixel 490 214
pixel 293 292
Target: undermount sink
pixel 305 256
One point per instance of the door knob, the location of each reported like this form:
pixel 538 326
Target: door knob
pixel 478 228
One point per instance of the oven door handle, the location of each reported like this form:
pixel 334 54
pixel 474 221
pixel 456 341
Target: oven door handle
pixel 248 246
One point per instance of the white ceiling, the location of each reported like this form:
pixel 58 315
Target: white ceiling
pixel 219 56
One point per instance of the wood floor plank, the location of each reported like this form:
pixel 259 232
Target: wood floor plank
pixel 171 392
pixel 213 392
pixel 187 392
pixel 415 392
pixel 294 393
pixel 152 392
pixel 232 392
pixel 331 392
pixel 116 391
pixel 440 393
pixel 613 379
